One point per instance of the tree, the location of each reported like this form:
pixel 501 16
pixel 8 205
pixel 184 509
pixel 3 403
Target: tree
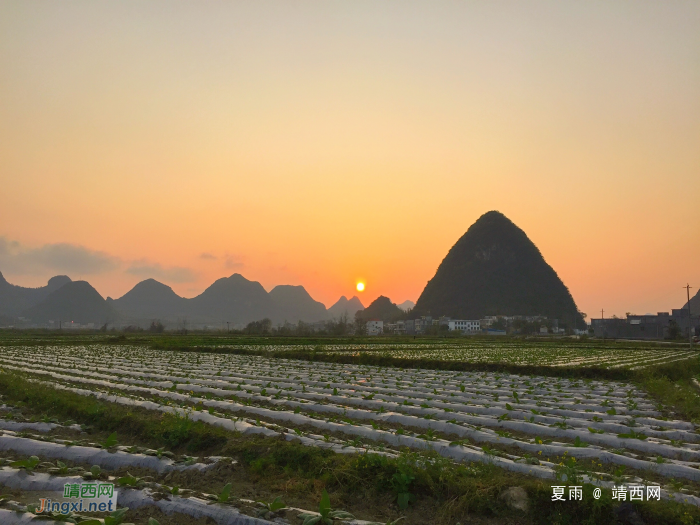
pixel 156 327
pixel 262 327
pixel 360 324
pixel 500 324
pixel 674 330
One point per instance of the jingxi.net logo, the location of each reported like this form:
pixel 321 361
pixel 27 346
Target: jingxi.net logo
pixel 81 497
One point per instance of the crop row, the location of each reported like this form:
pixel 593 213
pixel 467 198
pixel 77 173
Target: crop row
pixel 608 421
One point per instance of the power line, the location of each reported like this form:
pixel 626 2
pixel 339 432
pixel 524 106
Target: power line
pixel 690 336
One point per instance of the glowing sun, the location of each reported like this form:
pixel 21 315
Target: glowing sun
pixel 360 287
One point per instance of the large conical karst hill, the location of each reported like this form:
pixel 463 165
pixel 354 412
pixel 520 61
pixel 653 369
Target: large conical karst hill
pixel 694 304
pixel 495 269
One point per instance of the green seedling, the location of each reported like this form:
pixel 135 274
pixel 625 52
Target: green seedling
pixel 60 468
pixel 111 441
pixel 326 515
pixel 578 443
pixel 429 435
pixel 225 494
pixel 27 464
pixel 271 508
pixel 117 517
pixel 130 481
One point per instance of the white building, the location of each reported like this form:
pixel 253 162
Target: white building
pixel 465 327
pixel 375 327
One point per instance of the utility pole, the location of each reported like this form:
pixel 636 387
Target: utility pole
pixel 602 321
pixel 228 326
pixel 690 336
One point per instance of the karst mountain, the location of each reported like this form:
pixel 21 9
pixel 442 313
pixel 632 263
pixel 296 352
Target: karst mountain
pixel 495 269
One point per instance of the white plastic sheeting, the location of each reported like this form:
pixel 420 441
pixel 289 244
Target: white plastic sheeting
pixel 337 398
pixel 93 456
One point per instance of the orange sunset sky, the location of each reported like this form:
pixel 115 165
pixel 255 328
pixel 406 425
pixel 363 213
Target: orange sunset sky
pixel 322 143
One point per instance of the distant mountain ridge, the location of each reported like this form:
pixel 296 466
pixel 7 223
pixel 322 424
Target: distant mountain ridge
pixel 382 309
pixel 16 299
pixel 75 301
pixel 233 299
pixel 495 269
pixel 406 305
pixel 294 304
pixel 345 306
pixel 151 299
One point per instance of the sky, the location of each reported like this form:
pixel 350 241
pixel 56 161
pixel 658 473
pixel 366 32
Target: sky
pixel 323 143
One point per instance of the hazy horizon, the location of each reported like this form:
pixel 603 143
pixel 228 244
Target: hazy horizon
pixel 322 144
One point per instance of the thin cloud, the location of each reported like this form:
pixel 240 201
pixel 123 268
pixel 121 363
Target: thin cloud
pixel 176 274
pixel 57 257
pixel 233 262
pixel 208 256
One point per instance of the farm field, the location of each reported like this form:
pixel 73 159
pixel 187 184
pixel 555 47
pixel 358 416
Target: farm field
pixel 596 432
pixel 516 353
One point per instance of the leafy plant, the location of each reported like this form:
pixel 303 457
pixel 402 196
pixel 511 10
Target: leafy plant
pixel 326 515
pixel 271 508
pixel 60 469
pixel 111 441
pixel 568 471
pixel 27 464
pixel 578 443
pixel 130 481
pixel 117 517
pixel 225 494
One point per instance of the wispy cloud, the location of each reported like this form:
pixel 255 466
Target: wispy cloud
pixel 233 262
pixel 59 257
pixel 176 274
pixel 208 256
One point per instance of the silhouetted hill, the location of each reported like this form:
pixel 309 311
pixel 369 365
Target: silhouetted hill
pixel 293 304
pixel 381 308
pixel 75 301
pixel 494 269
pixel 151 299
pixel 694 304
pixel 345 306
pixel 234 299
pixel 15 299
pixel 406 305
